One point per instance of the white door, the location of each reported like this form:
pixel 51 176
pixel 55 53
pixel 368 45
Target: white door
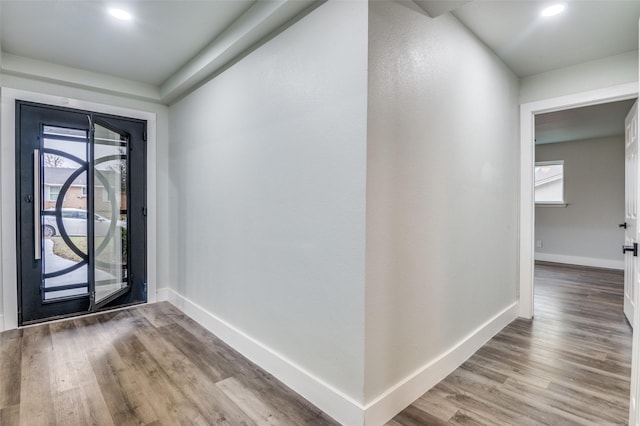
pixel 631 210
pixel 631 273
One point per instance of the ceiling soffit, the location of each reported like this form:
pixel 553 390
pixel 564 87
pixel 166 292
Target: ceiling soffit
pixel 258 21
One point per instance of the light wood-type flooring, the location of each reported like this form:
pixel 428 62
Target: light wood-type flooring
pixel 571 365
pixel 152 365
pixel 148 365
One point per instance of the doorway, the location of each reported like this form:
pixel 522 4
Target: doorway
pixel 81 213
pixel 585 164
pixel 526 240
pixel 526 219
pixel 579 181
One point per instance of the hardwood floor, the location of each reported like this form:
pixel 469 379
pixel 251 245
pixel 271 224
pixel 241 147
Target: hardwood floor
pixel 570 365
pixel 148 365
pixel 152 365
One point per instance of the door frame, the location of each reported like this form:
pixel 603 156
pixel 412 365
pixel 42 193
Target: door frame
pixel 8 265
pixel 528 112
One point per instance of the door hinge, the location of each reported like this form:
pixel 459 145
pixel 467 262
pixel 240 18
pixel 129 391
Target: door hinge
pixel 144 211
pixel 144 135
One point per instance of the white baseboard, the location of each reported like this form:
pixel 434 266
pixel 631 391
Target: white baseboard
pixel 582 261
pixel 1 322
pixel 333 402
pixel 397 398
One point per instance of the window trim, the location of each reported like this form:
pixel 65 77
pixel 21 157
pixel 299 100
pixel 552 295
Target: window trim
pixel 58 187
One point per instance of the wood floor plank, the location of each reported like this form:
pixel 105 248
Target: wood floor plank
pixel 169 404
pixel 66 359
pixel 522 375
pixel 413 416
pixel 292 408
pixel 150 365
pixel 548 378
pixel 570 365
pixel 185 375
pixel 36 404
pixel 153 315
pixel 591 408
pixel 88 338
pixel 249 402
pixel 10 415
pixel 496 394
pixel 470 418
pixel 126 405
pixel 69 409
pixel 76 395
pixel 153 365
pixel 10 369
pixel 438 406
pixel 500 414
pixel 208 360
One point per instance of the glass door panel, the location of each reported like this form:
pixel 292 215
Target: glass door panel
pixel 110 219
pixel 64 207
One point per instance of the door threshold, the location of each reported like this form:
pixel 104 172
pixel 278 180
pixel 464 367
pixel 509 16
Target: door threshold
pixel 61 318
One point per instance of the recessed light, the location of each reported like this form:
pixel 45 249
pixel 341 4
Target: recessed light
pixel 552 10
pixel 120 14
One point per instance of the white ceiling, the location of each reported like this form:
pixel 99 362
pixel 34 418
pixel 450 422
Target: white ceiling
pixel 163 36
pixel 594 121
pixel 172 45
pixel 530 44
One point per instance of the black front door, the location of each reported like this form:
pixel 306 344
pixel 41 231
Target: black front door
pixel 81 211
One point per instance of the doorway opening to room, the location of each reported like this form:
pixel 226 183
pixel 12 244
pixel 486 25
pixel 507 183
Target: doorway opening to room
pixel 586 218
pixel 80 210
pixel 583 196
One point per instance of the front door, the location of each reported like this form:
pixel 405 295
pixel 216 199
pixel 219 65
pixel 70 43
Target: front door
pixel 81 211
pixel 630 249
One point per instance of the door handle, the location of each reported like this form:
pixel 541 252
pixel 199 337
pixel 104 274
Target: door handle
pixel 623 225
pixel 633 248
pixel 37 243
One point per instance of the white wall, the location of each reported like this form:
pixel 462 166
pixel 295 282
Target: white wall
pixel 593 75
pixel 158 243
pixel 442 196
pixel 587 229
pixel 268 193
